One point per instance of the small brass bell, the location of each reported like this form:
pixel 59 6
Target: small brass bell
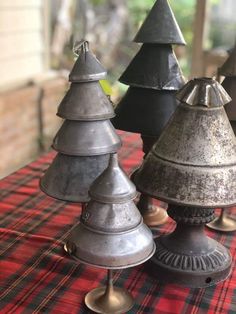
pixel 193 168
pixel 111 235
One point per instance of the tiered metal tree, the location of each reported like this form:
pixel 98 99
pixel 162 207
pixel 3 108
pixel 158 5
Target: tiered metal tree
pixel 86 138
pixel 223 222
pixel 154 76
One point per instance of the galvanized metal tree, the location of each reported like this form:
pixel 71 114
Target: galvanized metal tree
pixel 224 223
pixel 154 76
pixel 86 138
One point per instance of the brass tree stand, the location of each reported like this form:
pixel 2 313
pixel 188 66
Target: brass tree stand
pixel 109 299
pixel 223 223
pixel 187 256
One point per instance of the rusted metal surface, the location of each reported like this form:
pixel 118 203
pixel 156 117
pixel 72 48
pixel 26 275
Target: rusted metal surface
pixel 85 138
pixel 108 234
pixel 69 178
pixel 194 161
pixel 160 26
pixel 155 66
pixel 144 111
pixel 86 102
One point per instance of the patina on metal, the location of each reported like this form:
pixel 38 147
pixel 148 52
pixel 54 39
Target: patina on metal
pixel 69 178
pixel 109 230
pixel 87 67
pixel 223 223
pixel 193 167
pixel 145 111
pixel 86 102
pixel 160 26
pixel 156 67
pixel 198 147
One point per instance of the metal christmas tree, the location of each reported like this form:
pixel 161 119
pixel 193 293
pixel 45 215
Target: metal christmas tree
pixel 228 70
pixel 111 235
pixel 86 137
pixel 193 168
pixel 154 77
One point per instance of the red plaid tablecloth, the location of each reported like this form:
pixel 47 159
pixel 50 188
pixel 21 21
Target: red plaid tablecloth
pixel 36 276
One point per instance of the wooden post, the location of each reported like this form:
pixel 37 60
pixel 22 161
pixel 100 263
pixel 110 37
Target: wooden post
pixel 197 68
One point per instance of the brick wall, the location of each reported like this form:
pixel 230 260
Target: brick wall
pixel 19 122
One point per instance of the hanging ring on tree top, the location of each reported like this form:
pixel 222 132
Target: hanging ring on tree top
pixel 80 45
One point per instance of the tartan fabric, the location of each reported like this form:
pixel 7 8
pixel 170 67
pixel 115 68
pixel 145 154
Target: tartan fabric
pixel 36 276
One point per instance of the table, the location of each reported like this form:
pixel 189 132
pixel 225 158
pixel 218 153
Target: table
pixel 36 276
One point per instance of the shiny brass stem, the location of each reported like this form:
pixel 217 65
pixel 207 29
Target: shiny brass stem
pixel 221 217
pixel 109 289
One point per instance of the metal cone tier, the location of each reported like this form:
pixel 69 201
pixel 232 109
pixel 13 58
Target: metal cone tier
pixel 76 105
pixel 70 177
pixel 160 26
pixel 111 225
pixel 193 168
pixel 86 136
pixel 194 161
pixel 87 67
pixel 155 66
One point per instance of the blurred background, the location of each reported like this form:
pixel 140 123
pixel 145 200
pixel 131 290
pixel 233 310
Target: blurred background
pixel 37 38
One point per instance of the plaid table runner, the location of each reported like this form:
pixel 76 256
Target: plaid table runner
pixel 36 276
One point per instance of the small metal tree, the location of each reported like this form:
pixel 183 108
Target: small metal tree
pixel 86 138
pixel 111 235
pixel 224 223
pixel 154 77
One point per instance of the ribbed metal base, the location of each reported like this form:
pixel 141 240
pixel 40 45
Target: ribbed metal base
pixel 194 271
